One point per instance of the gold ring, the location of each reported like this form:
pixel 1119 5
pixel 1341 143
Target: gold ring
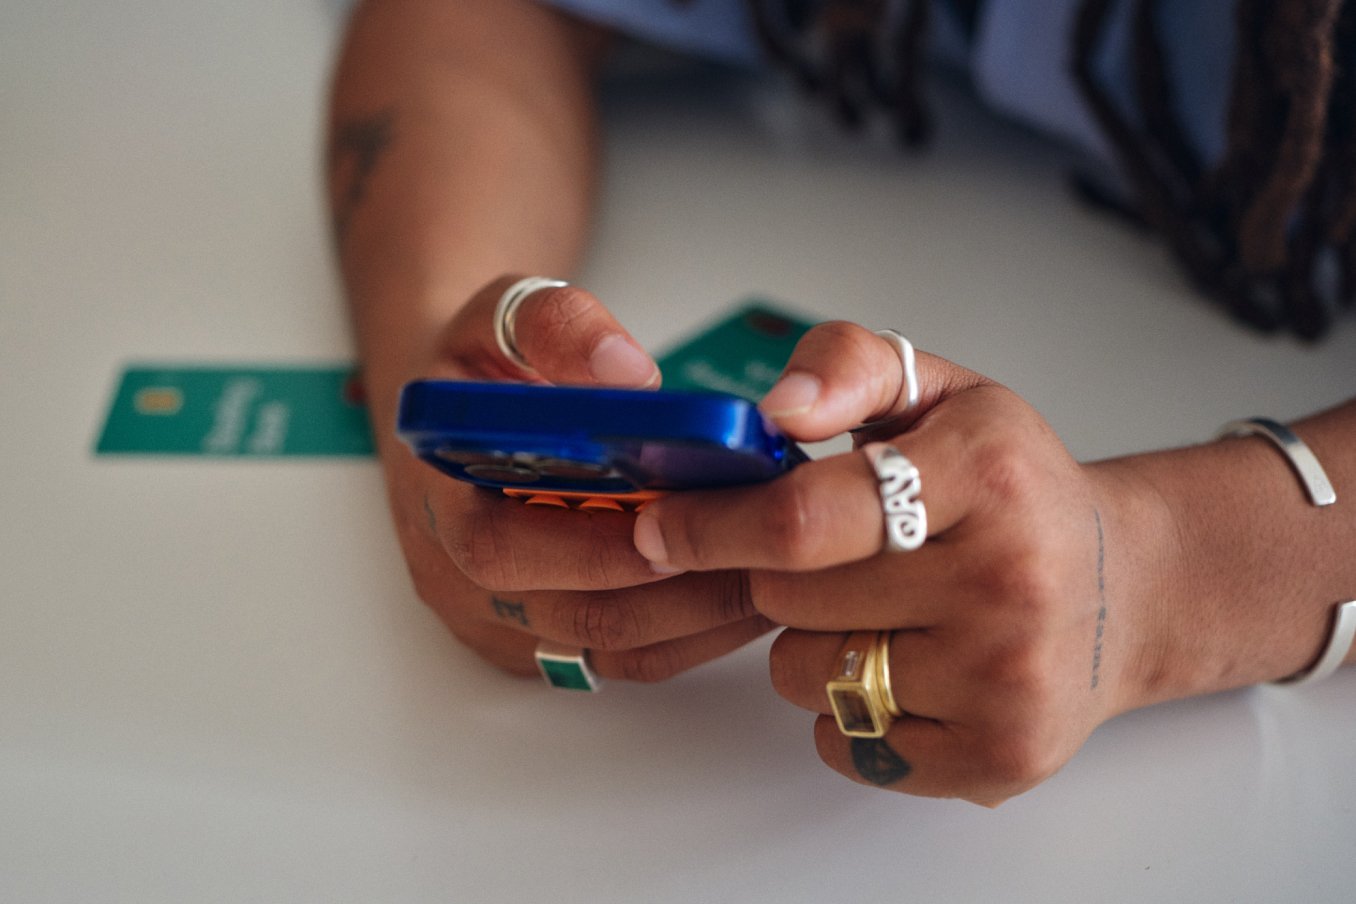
pixel 860 693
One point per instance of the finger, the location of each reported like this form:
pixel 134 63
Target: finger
pixel 821 514
pixel 842 375
pixel 629 617
pixel 925 677
pixel 664 660
pixel 565 333
pixel 886 593
pixel 926 758
pixel 504 545
pixel 514 651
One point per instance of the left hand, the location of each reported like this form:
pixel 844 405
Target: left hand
pixel 1001 653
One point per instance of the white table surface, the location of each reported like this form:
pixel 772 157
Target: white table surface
pixel 216 683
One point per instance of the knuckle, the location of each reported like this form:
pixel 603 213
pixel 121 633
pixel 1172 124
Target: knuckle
pixel 601 622
pixel 1022 679
pixel 483 552
pixel 734 598
pixel 650 665
pixel 1025 579
pixel 1007 473
pixel 841 333
pixel 793 525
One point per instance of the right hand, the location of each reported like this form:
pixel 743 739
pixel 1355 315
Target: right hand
pixel 503 575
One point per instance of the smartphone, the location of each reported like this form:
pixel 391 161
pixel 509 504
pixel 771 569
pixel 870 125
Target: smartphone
pixel 586 442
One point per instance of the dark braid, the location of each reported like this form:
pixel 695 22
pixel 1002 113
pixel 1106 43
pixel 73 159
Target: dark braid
pixel 833 47
pixel 1299 44
pixel 1269 231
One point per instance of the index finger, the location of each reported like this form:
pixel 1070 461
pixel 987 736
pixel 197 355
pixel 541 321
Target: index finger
pixel 824 513
pixel 505 544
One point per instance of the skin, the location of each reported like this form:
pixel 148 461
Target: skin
pixel 1050 596
pixel 441 148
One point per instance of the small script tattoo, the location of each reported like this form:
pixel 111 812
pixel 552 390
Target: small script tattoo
pixel 357 146
pixel 508 610
pixel 877 761
pixel 1101 603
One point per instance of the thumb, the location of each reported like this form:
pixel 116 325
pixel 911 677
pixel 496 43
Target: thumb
pixel 563 332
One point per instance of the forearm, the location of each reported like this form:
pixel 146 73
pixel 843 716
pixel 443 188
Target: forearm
pixel 461 148
pixel 1236 573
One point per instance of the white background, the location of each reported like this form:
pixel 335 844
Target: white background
pixel 216 683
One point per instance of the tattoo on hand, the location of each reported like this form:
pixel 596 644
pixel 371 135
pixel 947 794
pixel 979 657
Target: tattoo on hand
pixel 877 761
pixel 357 146
pixel 508 610
pixel 1101 600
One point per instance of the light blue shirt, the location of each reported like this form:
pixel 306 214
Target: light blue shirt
pixel 1019 58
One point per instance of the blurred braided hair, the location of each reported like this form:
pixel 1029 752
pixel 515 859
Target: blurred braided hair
pixel 1268 231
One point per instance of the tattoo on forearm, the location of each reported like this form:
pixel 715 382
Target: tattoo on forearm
pixel 877 762
pixel 509 610
pixel 1101 602
pixel 357 146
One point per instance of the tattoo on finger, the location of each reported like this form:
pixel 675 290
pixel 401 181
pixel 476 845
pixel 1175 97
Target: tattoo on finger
pixel 878 762
pixel 510 610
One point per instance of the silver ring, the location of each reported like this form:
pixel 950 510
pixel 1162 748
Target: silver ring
pixel 566 668
pixel 506 313
pixel 908 390
pixel 906 518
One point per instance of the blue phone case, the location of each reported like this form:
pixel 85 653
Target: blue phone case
pixel 589 440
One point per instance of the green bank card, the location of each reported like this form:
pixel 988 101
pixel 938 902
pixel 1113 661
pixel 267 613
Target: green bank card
pixel 741 354
pixel 275 411
pixel 237 412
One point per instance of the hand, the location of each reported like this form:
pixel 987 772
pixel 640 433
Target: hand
pixel 503 575
pixel 1002 645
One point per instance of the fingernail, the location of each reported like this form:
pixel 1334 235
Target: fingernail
pixel 616 362
pixel 649 542
pixel 795 393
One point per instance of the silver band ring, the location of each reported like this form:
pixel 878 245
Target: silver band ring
pixel 566 668
pixel 506 314
pixel 908 389
pixel 906 518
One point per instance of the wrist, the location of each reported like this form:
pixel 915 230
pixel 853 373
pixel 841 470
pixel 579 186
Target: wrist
pixel 1224 570
pixel 1142 560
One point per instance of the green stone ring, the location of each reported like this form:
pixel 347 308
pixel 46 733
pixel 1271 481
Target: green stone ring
pixel 566 667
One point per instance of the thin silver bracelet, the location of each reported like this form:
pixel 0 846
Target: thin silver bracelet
pixel 1316 483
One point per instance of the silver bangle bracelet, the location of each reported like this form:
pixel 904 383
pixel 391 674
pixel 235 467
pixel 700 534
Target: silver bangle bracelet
pixel 1320 490
pixel 1307 468
pixel 1339 643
